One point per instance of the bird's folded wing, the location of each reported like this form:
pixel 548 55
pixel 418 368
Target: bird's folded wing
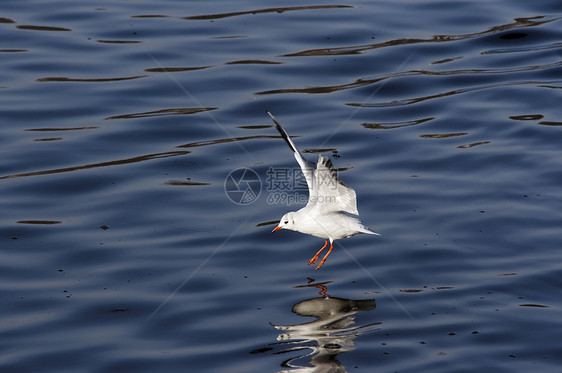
pixel 329 193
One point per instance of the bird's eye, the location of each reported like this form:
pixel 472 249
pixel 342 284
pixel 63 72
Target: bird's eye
pixel 286 222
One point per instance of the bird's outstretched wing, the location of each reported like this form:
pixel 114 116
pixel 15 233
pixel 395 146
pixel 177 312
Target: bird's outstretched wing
pixel 326 191
pixel 329 193
pixel 308 168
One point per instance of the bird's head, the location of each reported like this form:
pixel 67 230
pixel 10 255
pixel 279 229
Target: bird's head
pixel 287 222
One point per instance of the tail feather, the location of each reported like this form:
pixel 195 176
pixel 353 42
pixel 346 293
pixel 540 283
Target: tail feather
pixel 368 231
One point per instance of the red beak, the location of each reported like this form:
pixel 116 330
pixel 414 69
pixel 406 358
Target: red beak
pixel 276 229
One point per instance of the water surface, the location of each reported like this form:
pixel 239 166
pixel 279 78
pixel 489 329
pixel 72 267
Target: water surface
pixel 121 251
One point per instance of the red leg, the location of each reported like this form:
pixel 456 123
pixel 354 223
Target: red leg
pixel 315 257
pixel 324 259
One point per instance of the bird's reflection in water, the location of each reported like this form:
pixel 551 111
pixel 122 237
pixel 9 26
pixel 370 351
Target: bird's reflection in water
pixel 323 339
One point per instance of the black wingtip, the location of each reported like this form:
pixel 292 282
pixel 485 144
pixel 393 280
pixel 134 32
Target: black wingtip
pixel 277 124
pixel 283 133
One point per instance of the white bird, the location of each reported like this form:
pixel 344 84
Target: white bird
pixel 331 212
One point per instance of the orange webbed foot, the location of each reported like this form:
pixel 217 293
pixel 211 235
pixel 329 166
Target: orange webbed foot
pixel 315 257
pixel 324 259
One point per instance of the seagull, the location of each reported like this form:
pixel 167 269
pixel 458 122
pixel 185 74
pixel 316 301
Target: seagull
pixel 331 212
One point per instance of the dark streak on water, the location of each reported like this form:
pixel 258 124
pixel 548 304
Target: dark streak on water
pixel 120 251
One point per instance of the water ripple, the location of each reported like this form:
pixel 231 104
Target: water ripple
pixel 42 28
pixel 88 80
pixel 369 81
pixel 266 10
pixel 532 48
pixel 392 125
pixel 117 162
pixel 416 100
pixel 162 112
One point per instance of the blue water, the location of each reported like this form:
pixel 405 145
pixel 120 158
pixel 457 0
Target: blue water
pixel 122 252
